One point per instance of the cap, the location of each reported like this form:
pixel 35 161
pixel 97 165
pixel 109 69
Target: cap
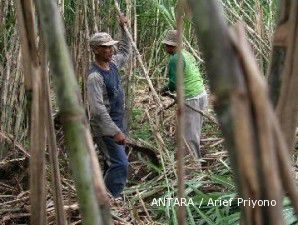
pixel 171 38
pixel 102 38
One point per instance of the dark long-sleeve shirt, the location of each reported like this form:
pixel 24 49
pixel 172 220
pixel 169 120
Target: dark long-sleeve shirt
pixel 102 123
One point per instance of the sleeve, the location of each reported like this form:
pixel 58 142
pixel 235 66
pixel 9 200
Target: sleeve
pixel 172 74
pixel 122 56
pixel 99 113
pixel 173 71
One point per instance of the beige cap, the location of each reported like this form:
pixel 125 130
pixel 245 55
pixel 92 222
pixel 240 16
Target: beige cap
pixel 102 38
pixel 171 38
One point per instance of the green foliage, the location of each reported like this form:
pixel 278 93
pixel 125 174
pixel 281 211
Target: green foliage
pixel 154 17
pixel 69 18
pixel 141 130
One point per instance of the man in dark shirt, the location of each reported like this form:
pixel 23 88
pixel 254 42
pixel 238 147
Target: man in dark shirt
pixel 106 102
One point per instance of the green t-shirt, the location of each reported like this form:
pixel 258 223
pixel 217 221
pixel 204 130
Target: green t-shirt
pixel 193 81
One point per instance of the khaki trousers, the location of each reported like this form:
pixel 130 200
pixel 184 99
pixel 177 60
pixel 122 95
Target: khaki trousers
pixel 194 122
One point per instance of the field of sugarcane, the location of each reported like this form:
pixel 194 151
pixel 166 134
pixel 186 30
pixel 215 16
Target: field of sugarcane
pixel 40 170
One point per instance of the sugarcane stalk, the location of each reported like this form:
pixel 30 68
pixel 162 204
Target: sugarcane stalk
pixel 74 120
pixel 279 50
pixel 287 105
pixel 180 115
pixel 267 160
pixel 51 138
pixel 25 16
pixel 233 106
pixel 139 58
pixel 24 32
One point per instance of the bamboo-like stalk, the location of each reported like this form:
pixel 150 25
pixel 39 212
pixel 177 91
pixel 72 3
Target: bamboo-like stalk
pixel 94 17
pixel 180 115
pixel 259 30
pixel 278 52
pixel 14 95
pixel 51 137
pixel 135 24
pixel 5 118
pixel 25 48
pixel 19 116
pixel 67 91
pixel 61 6
pixel 19 131
pixel 285 163
pixel 97 15
pixel 271 189
pixel 232 81
pixel 287 105
pixel 37 160
pixel 77 50
pixel 129 73
pixel 139 58
pixel 86 60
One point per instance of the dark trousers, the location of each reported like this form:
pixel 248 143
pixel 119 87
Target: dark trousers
pixel 116 164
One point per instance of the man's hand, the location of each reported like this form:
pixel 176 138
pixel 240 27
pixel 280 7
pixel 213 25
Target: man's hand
pixel 123 21
pixel 163 91
pixel 120 138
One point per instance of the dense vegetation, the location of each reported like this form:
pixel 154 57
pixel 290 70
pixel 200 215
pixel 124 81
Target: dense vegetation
pixel 149 20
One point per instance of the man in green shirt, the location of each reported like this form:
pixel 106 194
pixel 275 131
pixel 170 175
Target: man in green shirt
pixel 194 90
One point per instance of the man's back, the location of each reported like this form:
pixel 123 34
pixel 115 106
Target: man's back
pixel 193 81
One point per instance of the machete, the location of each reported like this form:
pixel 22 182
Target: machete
pixel 149 152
